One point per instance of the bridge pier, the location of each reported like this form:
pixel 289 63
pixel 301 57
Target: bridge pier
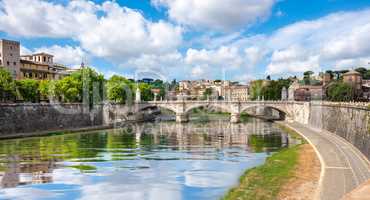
pixel 182 117
pixel 235 118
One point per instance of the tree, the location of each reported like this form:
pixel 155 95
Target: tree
pixel 83 85
pixel 340 92
pixel 118 89
pixel 364 72
pixel 268 77
pixel 28 89
pixel 70 89
pixel 307 77
pixel 207 93
pixel 146 93
pixel 256 89
pixel 7 85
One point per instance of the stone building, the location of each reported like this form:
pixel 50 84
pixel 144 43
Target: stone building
pixel 41 66
pixel 10 57
pixel 236 93
pixel 354 79
pixel 38 66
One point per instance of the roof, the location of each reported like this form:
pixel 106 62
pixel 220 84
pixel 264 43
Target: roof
pixel 352 72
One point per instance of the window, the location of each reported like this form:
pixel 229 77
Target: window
pixel 11 54
pixel 14 63
pixel 1 62
pixel 8 63
pixel 44 59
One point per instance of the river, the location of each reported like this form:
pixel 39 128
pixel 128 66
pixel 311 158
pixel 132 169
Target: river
pixel 149 161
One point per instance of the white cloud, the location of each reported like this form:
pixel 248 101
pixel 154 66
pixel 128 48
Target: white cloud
pixel 337 40
pixel 223 57
pixel 66 55
pixel 293 59
pixel 217 14
pixel 124 33
pixel 36 18
pixel 105 30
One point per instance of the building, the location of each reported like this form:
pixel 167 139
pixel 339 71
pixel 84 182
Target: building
pixel 236 93
pixel 41 66
pixel 38 66
pixel 10 57
pixel 366 89
pixel 354 79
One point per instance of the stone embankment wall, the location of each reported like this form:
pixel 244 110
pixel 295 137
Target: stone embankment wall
pixel 26 118
pixel 350 121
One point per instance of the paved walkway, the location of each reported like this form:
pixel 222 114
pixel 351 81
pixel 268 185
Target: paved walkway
pixel 343 167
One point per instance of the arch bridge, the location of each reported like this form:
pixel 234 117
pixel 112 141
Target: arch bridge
pixel 292 110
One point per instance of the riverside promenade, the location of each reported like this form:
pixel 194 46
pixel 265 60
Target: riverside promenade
pixel 343 167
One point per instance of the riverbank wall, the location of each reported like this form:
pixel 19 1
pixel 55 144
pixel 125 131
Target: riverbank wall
pixel 349 121
pixel 26 118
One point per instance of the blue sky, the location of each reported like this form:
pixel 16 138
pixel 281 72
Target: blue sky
pixel 191 39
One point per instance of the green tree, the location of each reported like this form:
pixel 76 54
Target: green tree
pixel 256 88
pixel 118 88
pixel 146 93
pixel 207 93
pixel 340 92
pixel 28 89
pixel 84 85
pixel 7 85
pixel 44 87
pixel 70 89
pixel 307 77
pixel 364 72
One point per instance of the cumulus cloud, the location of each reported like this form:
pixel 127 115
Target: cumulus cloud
pixel 105 30
pixel 221 15
pixel 337 40
pixel 66 55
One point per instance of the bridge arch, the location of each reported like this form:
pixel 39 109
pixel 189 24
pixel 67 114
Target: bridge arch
pixel 283 113
pixel 164 106
pixel 223 107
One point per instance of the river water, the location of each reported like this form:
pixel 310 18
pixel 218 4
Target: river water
pixel 138 161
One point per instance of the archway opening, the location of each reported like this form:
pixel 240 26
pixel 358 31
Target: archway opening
pixel 158 113
pixel 265 112
pixel 208 113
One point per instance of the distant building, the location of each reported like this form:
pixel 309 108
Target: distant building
pixel 366 89
pixel 236 93
pixel 298 91
pixel 354 79
pixel 38 66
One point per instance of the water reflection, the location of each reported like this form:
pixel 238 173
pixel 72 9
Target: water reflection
pixel 138 161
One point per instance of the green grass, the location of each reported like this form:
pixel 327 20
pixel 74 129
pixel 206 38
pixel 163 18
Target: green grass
pixel 264 182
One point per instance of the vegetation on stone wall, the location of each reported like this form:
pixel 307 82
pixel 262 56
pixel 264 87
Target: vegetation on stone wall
pixel 83 85
pixel 340 91
pixel 270 90
pixel 7 85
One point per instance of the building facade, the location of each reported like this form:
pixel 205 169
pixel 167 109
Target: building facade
pixel 236 93
pixel 10 57
pixel 39 66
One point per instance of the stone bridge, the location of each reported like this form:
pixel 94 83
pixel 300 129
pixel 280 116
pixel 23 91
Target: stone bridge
pixel 291 110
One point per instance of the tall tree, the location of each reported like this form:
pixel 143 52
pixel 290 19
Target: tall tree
pixel 119 89
pixel 28 89
pixel 340 92
pixel 7 85
pixel 307 77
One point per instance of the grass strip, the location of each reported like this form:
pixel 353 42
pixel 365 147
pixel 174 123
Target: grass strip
pixel 264 182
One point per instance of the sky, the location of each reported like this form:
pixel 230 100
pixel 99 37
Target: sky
pixel 238 40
